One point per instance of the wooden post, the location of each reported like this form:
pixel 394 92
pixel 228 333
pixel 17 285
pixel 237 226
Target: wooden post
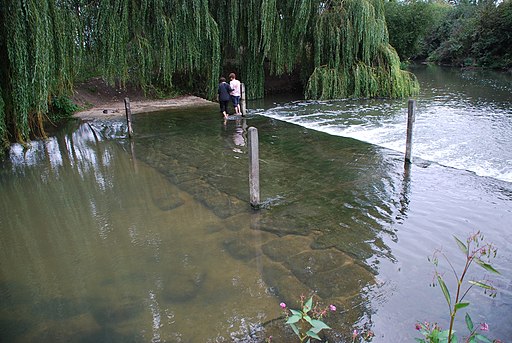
pixel 411 106
pixel 128 116
pixel 254 168
pixel 242 99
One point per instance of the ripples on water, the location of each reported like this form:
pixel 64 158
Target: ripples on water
pixel 110 240
pixel 463 120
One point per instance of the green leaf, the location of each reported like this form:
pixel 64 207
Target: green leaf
pixel 319 324
pixel 308 319
pixel 481 284
pixel 308 305
pixel 293 319
pixel 482 338
pixel 486 266
pixel 295 312
pixel 295 329
pixel 469 322
pixel 458 306
pixel 445 290
pixel 443 335
pixel 314 329
pixel 461 245
pixel 312 334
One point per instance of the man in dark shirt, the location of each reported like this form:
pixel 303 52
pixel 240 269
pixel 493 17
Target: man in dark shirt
pixel 224 96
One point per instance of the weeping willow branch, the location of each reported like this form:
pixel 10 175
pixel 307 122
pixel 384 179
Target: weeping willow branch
pixel 339 47
pixel 39 63
pixel 147 42
pixel 352 55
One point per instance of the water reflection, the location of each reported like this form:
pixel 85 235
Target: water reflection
pixel 144 239
pixel 109 250
pixel 404 193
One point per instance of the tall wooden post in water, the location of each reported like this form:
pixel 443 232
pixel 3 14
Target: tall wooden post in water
pixel 254 168
pixel 411 107
pixel 128 116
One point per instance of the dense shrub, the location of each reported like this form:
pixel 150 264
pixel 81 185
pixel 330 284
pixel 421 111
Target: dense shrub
pixel 409 23
pixel 462 33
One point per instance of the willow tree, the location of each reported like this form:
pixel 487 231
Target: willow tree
pixel 339 47
pixel 148 42
pixel 37 50
pixel 45 43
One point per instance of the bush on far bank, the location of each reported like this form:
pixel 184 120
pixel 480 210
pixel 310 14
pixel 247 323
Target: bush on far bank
pixel 464 33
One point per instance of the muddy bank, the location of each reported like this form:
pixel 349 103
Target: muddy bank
pixel 99 99
pixel 117 109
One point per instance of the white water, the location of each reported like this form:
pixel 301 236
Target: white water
pixel 463 120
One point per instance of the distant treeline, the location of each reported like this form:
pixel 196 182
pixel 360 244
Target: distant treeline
pixel 340 48
pixel 460 33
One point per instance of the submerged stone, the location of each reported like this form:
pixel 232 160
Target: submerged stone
pixel 241 249
pixel 330 273
pixel 351 242
pixel 168 201
pixel 183 285
pixel 220 203
pixel 283 283
pixel 281 249
pixel 283 223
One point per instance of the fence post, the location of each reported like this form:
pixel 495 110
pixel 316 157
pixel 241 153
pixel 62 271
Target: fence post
pixel 411 107
pixel 243 109
pixel 128 116
pixel 254 168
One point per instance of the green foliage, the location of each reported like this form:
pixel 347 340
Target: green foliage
pixel 462 33
pixel 340 47
pixel 492 42
pixel 455 36
pixel 61 107
pixel 306 323
pixel 409 23
pixel 3 129
pixel 475 250
pixel 353 57
pixel 40 47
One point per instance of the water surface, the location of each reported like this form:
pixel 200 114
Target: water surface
pixel 104 239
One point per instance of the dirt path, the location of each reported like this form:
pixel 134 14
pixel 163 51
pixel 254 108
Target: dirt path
pixel 104 101
pixel 108 110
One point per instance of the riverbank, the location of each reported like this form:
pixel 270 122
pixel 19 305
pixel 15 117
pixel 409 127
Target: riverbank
pixel 100 100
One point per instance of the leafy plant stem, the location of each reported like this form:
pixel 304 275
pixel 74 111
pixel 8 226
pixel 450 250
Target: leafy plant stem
pixel 469 259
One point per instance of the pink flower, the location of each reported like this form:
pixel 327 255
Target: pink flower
pixel 354 334
pixel 332 307
pixel 484 327
pixel 418 326
pixel 283 305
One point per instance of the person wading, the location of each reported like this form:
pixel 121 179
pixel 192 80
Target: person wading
pixel 224 96
pixel 235 94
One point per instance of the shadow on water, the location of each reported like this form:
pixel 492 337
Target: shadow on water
pixel 153 239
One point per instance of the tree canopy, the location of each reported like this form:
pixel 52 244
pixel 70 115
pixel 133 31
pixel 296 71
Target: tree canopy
pixel 463 33
pixel 339 47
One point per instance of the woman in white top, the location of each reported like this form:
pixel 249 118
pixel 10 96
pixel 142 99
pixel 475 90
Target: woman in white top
pixel 235 94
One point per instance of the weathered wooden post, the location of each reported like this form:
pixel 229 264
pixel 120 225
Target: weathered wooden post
pixel 254 168
pixel 411 106
pixel 128 116
pixel 242 99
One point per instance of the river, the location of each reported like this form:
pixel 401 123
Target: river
pixel 106 239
